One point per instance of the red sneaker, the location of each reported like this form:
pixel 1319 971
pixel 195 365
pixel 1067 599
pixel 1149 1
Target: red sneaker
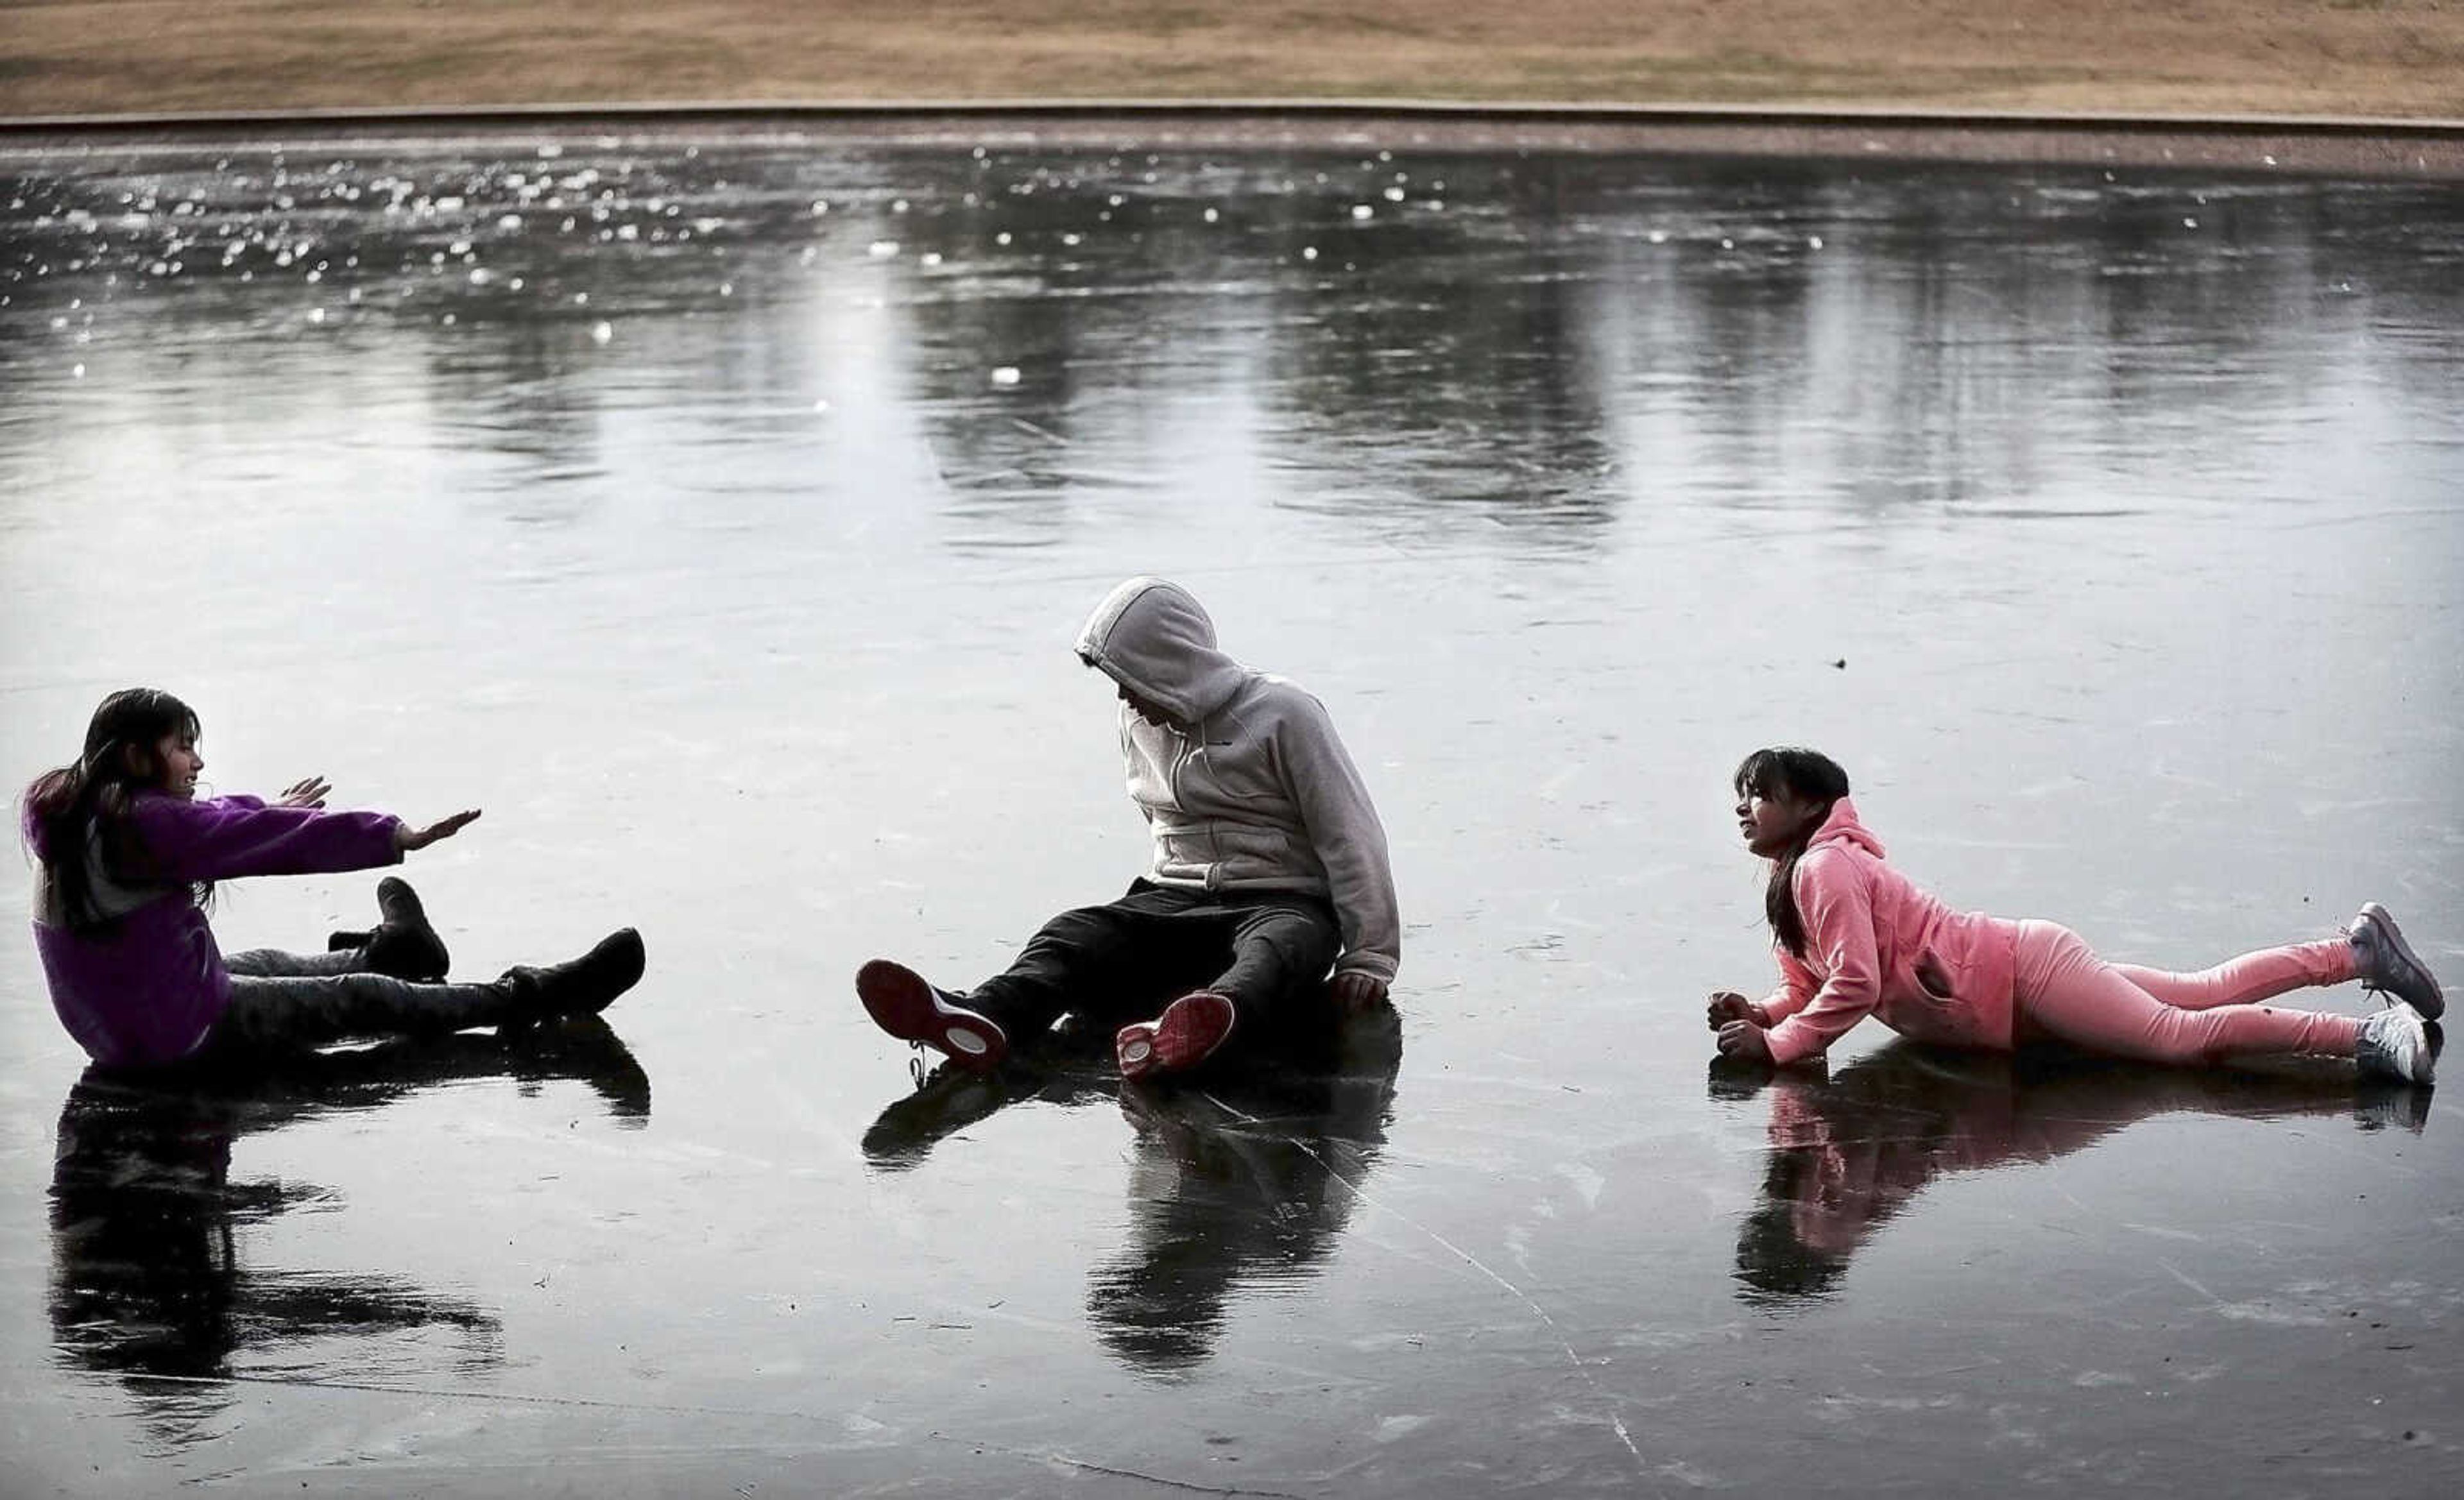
pixel 1185 1035
pixel 907 1009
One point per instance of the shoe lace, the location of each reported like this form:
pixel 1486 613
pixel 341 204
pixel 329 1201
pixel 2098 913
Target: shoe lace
pixel 2371 962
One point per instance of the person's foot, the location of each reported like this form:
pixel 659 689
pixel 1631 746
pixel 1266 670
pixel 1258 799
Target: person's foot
pixel 2384 961
pixel 401 944
pixel 903 1005
pixel 1188 1032
pixel 582 986
pixel 2395 1043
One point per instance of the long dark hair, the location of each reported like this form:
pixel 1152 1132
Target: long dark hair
pixel 1807 775
pixel 96 793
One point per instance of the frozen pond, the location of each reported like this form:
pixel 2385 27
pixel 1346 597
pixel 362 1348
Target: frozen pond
pixel 718 512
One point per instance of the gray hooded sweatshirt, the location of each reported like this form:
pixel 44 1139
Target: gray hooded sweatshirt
pixel 1248 788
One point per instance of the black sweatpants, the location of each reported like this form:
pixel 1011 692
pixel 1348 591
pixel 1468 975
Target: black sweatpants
pixel 1268 951
pixel 301 1000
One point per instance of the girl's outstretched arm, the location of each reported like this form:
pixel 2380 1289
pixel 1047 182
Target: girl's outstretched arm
pixel 224 838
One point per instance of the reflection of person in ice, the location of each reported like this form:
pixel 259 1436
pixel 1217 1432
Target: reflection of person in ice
pixel 1249 1174
pixel 1847 1154
pixel 1856 938
pixel 147 1272
pixel 1248 1181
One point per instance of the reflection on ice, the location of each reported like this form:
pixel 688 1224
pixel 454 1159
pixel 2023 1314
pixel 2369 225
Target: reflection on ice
pixel 1239 1178
pixel 149 1277
pixel 1850 1153
pixel 1241 1185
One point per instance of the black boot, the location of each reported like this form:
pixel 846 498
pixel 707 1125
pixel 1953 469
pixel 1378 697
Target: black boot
pixel 403 944
pixel 582 986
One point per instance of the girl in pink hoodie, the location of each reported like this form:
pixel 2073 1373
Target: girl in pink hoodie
pixel 1856 938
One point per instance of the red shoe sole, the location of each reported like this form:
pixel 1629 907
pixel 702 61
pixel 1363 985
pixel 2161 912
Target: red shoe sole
pixel 1185 1035
pixel 903 1005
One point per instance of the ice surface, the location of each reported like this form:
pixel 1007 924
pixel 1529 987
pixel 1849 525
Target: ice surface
pixel 2142 550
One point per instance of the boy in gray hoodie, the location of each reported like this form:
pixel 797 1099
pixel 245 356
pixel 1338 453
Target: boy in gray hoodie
pixel 1269 868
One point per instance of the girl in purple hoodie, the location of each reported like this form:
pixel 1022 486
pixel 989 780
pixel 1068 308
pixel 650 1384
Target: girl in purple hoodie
pixel 1855 937
pixel 128 855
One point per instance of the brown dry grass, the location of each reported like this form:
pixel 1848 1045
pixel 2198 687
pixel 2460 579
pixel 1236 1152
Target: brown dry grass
pixel 2380 57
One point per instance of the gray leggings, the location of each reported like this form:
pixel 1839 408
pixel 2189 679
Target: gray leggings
pixel 292 1000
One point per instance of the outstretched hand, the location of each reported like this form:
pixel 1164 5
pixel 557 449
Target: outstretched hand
pixel 1746 1041
pixel 308 793
pixel 1356 991
pixel 408 838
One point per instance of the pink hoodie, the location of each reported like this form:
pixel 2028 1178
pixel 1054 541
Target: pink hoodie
pixel 1875 943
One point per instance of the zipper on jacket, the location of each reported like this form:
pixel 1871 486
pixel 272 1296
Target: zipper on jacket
pixel 1186 747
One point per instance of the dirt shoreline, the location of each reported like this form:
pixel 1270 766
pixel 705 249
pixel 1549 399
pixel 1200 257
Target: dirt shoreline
pixel 2371 149
pixel 2373 87
pixel 2389 58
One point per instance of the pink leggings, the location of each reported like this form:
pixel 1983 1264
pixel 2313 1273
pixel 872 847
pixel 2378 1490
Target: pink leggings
pixel 2065 991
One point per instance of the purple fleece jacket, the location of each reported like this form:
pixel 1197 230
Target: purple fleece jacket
pixel 146 989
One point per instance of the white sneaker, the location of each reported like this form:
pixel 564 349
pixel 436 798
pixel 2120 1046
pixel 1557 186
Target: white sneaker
pixel 2395 1045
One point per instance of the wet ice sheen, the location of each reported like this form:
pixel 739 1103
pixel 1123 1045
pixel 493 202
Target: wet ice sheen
pixel 1564 481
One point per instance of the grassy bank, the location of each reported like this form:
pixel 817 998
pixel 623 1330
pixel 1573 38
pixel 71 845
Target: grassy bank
pixel 2372 57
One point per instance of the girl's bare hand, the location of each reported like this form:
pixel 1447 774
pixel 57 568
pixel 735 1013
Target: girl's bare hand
pixel 1728 1005
pixel 1746 1041
pixel 408 838
pixel 308 793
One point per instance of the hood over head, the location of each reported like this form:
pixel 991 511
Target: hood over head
pixel 1152 638
pixel 1842 828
